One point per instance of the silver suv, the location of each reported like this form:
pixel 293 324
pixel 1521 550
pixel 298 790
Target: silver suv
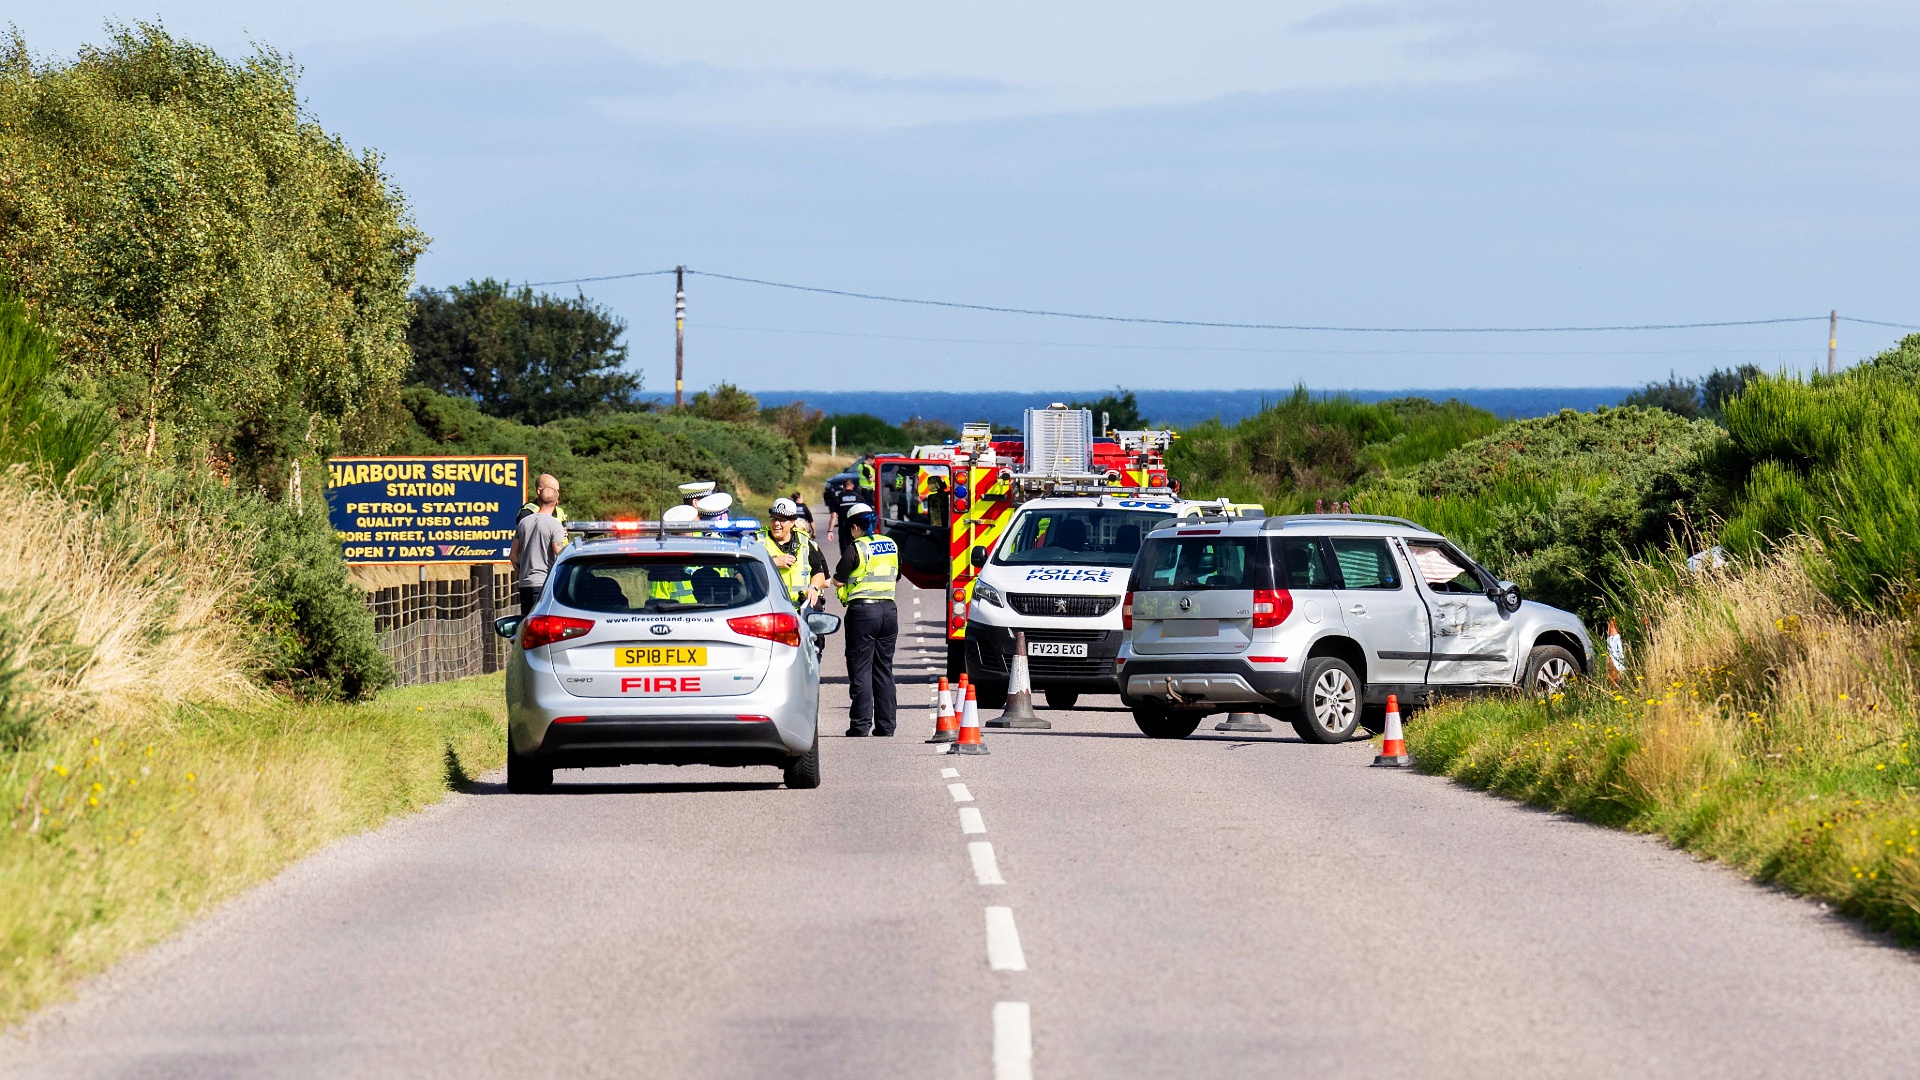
pixel 680 648
pixel 1316 618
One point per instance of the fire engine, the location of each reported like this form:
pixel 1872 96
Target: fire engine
pixel 946 506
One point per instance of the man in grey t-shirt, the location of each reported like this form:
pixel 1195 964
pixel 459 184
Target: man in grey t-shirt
pixel 537 540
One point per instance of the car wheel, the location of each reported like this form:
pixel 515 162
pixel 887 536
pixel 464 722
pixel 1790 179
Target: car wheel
pixel 1550 669
pixel 803 772
pixel 1062 699
pixel 1158 723
pixel 1329 708
pixel 526 777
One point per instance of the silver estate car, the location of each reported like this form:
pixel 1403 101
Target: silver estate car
pixel 1315 619
pixel 671 646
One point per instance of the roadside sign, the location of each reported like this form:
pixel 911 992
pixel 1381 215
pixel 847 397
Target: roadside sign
pixel 425 509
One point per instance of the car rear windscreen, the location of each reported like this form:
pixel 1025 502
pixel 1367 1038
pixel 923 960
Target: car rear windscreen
pixel 1203 562
pixel 658 584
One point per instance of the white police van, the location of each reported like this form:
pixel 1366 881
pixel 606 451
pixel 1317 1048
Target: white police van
pixel 1058 573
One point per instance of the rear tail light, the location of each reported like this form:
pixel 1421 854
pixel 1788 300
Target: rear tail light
pixel 754 719
pixel 1271 607
pixel 569 719
pixel 547 629
pixel 1126 613
pixel 779 626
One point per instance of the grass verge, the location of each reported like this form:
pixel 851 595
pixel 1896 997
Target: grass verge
pixel 1762 727
pixel 119 835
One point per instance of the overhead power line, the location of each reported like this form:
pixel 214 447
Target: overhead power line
pixel 1216 325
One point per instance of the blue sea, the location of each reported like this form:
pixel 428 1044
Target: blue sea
pixel 1175 408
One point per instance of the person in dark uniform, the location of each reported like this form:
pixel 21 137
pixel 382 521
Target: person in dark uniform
pixel 839 498
pixel 867 574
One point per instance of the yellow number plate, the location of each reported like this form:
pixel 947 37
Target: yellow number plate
pixel 660 656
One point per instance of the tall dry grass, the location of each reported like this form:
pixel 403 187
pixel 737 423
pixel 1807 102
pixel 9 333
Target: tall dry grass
pixel 116 615
pixel 1759 724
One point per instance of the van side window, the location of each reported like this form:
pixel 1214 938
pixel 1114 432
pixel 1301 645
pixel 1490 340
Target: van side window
pixel 1305 566
pixel 1365 563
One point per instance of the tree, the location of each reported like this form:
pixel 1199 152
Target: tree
pixel 1720 387
pixel 725 402
pixel 921 431
pixel 1122 409
pixel 794 420
pixel 1681 397
pixel 859 432
pixel 215 269
pixel 525 356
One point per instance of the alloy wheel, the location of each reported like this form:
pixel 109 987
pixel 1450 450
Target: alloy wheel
pixel 1334 700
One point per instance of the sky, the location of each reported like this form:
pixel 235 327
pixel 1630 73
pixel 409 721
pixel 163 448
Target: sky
pixel 1478 163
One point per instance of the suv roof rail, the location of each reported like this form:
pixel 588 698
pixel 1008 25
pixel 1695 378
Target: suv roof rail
pixel 738 530
pixel 1282 521
pixel 1198 519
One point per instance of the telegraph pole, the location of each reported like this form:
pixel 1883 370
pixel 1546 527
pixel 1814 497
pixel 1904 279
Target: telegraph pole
pixel 1833 337
pixel 680 334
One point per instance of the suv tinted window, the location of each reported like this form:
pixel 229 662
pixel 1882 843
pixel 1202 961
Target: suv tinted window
pixel 625 584
pixel 1304 564
pixel 1203 562
pixel 1365 563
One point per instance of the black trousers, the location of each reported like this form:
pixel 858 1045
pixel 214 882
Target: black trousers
pixel 528 595
pixel 872 628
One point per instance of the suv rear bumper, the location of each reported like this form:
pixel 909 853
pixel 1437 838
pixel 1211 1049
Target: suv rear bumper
pixel 1214 682
pixel 990 658
pixel 600 742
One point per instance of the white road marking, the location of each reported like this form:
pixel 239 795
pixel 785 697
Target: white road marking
pixel 971 823
pixel 986 868
pixel 1003 941
pixel 950 774
pixel 1012 1041
pixel 960 793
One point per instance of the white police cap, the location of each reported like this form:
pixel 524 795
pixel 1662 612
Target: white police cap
pixel 714 505
pixel 695 489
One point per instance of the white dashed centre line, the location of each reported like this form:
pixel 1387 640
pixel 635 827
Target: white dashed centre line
pixel 950 774
pixel 959 793
pixel 1003 941
pixel 971 824
pixel 986 868
pixel 1012 1041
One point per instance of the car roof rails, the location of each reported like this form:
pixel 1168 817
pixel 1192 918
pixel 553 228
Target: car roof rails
pixel 1283 521
pixel 1199 519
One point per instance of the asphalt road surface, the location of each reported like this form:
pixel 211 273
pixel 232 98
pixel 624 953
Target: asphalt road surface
pixel 1241 906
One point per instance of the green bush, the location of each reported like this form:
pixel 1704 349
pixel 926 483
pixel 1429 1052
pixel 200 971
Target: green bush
pixel 860 433
pixel 1304 447
pixel 1560 504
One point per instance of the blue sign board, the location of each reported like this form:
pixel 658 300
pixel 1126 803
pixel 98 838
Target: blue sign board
pixel 425 509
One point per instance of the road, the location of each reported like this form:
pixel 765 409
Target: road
pixel 1219 907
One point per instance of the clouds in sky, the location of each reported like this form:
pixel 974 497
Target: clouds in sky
pixel 1472 162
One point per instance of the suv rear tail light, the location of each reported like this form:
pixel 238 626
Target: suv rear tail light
pixel 547 629
pixel 778 626
pixel 1126 613
pixel 1271 607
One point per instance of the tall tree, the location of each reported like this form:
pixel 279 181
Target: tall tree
pixel 214 267
pixel 1122 409
pixel 522 355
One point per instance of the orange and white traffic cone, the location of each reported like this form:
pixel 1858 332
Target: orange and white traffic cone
pixel 1019 711
pixel 946 726
pixel 1393 744
pixel 969 741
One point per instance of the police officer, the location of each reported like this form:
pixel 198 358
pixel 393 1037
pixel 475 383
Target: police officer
pixel 867 573
pixel 803 570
